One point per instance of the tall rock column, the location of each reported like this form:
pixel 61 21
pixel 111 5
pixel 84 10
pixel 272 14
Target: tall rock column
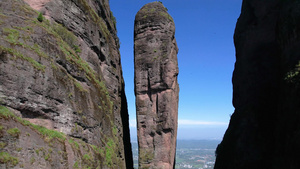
pixel 156 87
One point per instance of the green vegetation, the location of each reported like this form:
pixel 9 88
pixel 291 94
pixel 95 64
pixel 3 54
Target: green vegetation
pixel 32 160
pixel 5 113
pixel 115 130
pixel 50 134
pixel 2 144
pixel 15 132
pixel 68 45
pixel 77 49
pixel 40 18
pixel 79 87
pixel 95 17
pixel 37 49
pixel 293 75
pixel 113 18
pixel 26 28
pixel 1 127
pixel 47 157
pixel 146 155
pixel 12 35
pixel 37 151
pixel 6 158
pixel 86 157
pixel 16 53
pixel 109 152
pixel 74 144
pixel 76 165
pixel 166 15
pixel 66 36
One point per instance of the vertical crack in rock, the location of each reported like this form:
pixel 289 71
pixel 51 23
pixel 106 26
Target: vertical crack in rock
pixel 156 87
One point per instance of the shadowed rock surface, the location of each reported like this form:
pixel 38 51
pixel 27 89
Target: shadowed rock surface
pixel 264 130
pixel 156 87
pixel 64 74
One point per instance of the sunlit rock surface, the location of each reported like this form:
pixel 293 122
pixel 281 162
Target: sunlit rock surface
pixel 62 72
pixel 156 87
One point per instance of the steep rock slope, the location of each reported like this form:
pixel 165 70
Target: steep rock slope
pixel 63 72
pixel 264 129
pixel 156 87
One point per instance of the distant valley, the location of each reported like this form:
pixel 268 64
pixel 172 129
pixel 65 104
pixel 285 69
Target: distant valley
pixel 192 154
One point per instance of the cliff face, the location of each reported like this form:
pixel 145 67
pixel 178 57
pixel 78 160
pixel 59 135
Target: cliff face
pixel 264 129
pixel 156 87
pixel 63 72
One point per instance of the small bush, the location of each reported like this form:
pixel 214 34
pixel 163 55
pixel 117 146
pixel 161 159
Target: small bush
pixel 66 36
pixel 8 159
pixel 76 165
pixel 15 132
pixel 40 17
pixel 2 144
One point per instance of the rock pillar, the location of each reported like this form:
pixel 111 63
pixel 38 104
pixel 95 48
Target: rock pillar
pixel 156 87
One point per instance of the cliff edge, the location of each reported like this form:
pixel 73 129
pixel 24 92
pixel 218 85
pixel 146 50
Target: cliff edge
pixel 62 95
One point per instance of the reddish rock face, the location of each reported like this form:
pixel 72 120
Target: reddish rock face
pixel 63 73
pixel 156 86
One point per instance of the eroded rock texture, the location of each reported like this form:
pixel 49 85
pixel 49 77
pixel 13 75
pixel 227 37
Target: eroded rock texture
pixel 63 73
pixel 264 129
pixel 156 87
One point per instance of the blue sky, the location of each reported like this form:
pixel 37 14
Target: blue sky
pixel 204 34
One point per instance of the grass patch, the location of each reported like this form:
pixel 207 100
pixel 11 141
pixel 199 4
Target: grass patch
pixel 32 160
pixel 16 53
pixel 74 143
pixel 146 155
pixel 50 134
pixel 95 17
pixel 2 144
pixel 79 87
pixel 47 133
pixel 6 158
pixel 76 165
pixel 115 130
pixel 15 132
pixel 109 152
pixel 47 157
pixel 87 158
pixel 66 36
pixel 12 35
pixel 166 15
